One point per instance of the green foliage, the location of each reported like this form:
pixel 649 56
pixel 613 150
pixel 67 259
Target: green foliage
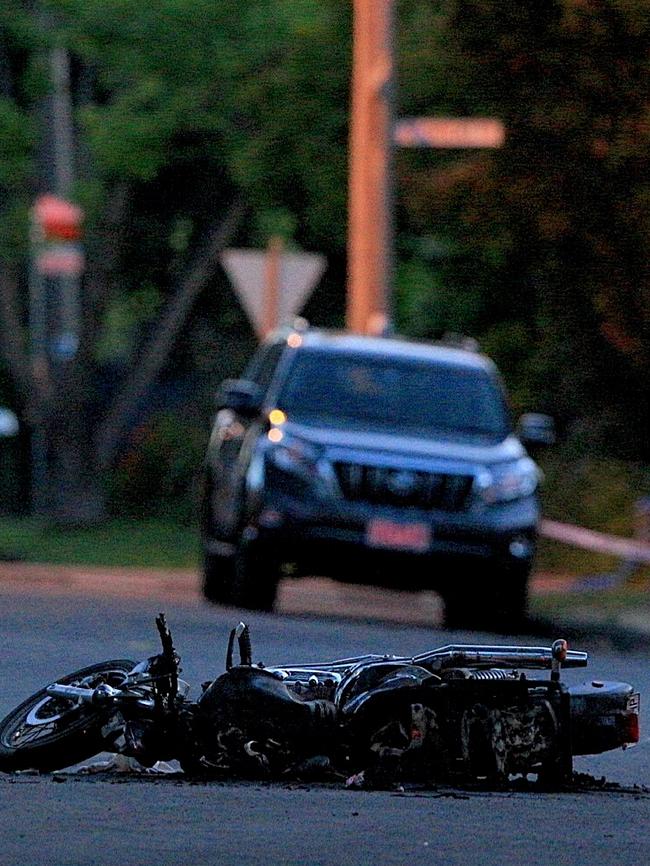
pixel 16 133
pixel 124 319
pixel 540 250
pixel 599 493
pixel 258 92
pixel 418 309
pixel 158 473
pixel 147 543
pixel 274 222
pixel 235 80
pixel 551 231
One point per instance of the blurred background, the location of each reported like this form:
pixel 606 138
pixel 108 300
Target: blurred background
pixel 181 127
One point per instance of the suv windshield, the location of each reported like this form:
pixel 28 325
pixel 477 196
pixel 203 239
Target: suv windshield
pixel 404 395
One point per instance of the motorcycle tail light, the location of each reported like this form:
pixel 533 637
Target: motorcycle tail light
pixel 631 730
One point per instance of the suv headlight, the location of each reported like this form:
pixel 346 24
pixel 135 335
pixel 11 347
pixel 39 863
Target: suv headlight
pixel 509 481
pixel 295 456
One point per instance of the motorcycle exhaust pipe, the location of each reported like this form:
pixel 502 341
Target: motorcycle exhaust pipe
pixel 467 655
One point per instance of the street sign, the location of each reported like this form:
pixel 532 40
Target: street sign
pixel 65 259
pixel 449 132
pixel 57 219
pixel 57 227
pixel 294 278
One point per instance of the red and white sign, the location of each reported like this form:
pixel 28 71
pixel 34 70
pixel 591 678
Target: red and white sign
pixel 449 132
pixel 57 219
pixel 298 274
pixel 60 260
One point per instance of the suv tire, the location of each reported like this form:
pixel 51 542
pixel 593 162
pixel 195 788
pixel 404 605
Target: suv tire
pixel 499 603
pixel 242 579
pixel 218 574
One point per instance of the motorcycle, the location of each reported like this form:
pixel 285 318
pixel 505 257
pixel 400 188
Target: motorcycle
pixel 455 714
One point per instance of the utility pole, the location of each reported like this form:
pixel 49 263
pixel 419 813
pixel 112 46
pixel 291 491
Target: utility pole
pixel 374 134
pixel 62 128
pixel 66 338
pixel 272 282
pixel 56 264
pixel 370 205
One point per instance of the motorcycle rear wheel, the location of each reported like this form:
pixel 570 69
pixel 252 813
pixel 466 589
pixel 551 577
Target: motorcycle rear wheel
pixel 46 732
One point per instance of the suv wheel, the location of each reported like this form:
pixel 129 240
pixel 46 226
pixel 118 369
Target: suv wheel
pixel 498 602
pixel 218 574
pixel 242 579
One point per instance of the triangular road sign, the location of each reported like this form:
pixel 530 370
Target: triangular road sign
pixel 298 274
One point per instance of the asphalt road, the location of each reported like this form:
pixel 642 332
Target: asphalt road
pixel 85 821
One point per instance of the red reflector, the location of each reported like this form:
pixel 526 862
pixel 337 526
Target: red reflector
pixel 631 728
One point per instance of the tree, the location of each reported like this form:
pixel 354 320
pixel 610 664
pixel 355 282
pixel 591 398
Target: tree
pixel 547 256
pixel 202 108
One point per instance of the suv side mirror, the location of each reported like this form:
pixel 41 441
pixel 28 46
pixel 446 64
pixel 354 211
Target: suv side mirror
pixel 536 429
pixel 242 396
pixel 8 423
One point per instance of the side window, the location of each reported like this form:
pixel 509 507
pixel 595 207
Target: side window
pixel 263 364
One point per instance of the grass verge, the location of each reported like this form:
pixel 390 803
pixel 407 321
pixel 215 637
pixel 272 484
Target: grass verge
pixel 117 542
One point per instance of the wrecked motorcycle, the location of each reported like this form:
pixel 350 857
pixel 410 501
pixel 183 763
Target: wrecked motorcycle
pixel 455 714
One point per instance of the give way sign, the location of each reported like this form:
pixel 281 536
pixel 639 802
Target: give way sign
pixel 272 285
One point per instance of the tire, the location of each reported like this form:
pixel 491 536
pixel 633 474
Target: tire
pixel 243 579
pixel 255 579
pixel 47 733
pixel 493 598
pixel 218 578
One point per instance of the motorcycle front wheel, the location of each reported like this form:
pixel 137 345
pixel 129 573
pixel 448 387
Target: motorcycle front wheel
pixel 48 732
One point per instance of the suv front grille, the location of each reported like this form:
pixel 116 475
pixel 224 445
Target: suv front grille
pixel 405 487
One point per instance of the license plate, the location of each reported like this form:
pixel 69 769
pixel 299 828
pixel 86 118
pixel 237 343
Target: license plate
pixel 398 536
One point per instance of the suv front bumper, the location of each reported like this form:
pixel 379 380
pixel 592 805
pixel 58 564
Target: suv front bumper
pixel 325 537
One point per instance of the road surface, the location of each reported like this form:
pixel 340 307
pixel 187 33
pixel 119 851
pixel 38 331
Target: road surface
pixel 84 821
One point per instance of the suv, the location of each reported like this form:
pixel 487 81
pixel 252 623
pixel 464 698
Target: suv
pixel 373 460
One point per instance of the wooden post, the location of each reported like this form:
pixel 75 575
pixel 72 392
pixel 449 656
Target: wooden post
pixel 373 135
pixel 272 277
pixel 370 204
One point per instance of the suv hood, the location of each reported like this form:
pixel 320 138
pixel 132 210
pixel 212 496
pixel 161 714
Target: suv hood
pixel 377 445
